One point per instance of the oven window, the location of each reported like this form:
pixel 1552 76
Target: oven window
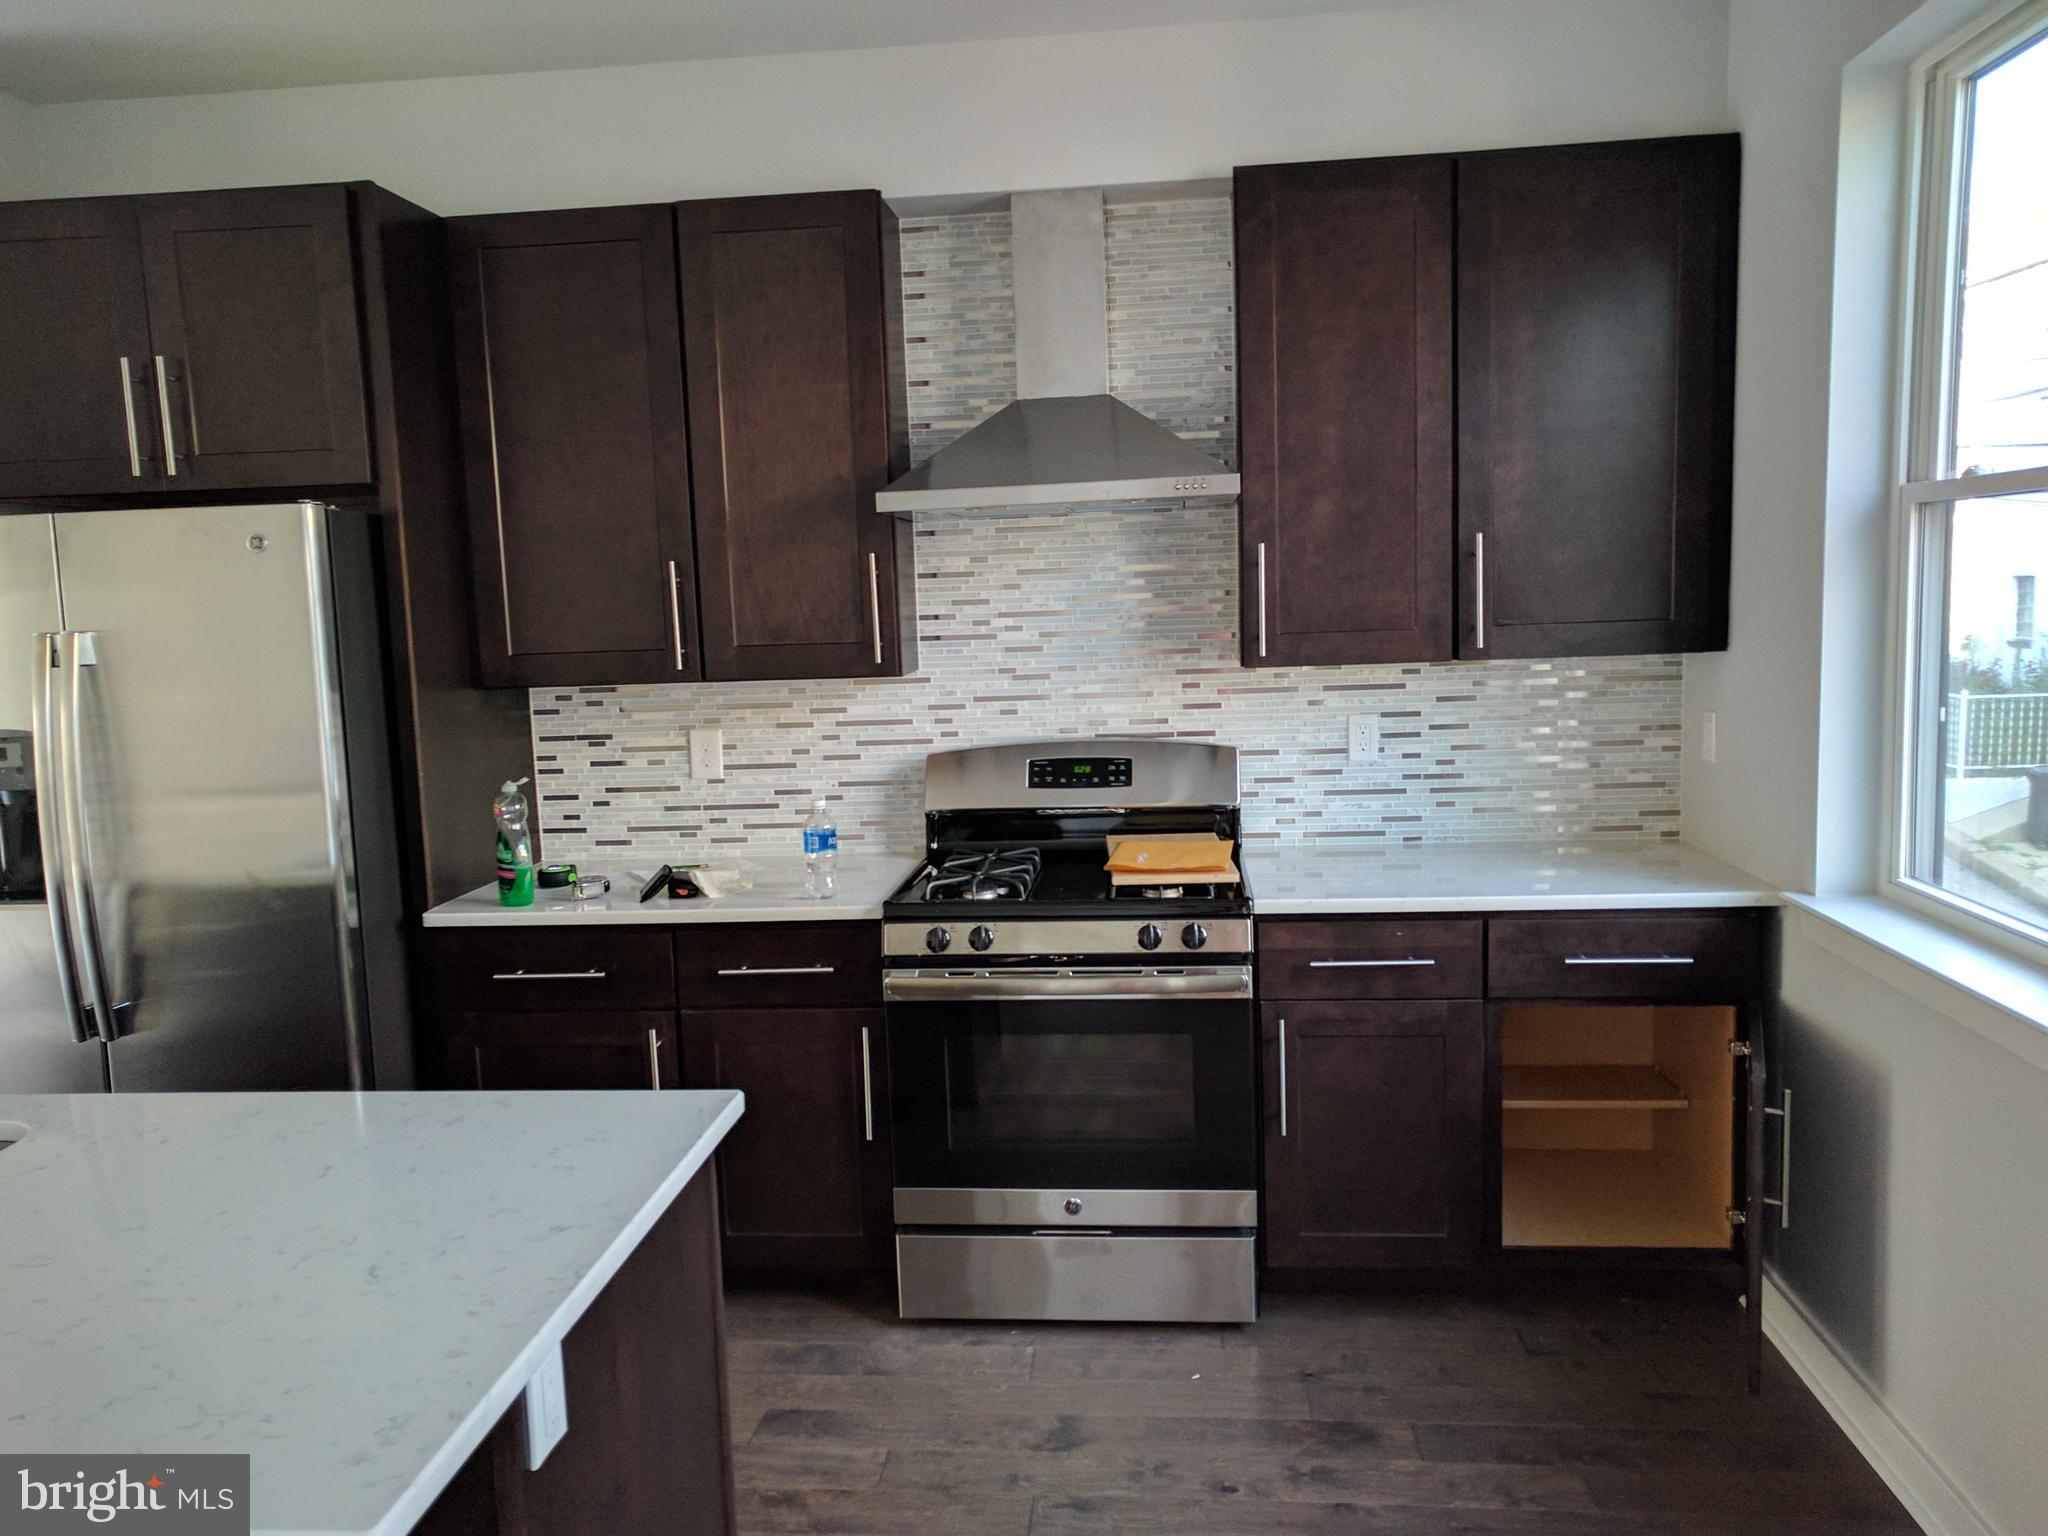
pixel 1008 1089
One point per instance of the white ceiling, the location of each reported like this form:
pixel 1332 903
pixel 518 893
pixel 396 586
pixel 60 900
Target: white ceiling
pixel 74 50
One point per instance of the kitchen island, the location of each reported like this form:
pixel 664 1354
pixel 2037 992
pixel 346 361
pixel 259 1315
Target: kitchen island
pixel 355 1290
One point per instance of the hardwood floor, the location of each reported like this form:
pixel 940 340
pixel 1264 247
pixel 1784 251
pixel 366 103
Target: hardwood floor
pixel 1384 1415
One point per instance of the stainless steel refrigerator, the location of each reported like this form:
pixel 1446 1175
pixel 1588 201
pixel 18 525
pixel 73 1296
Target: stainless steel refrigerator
pixel 205 696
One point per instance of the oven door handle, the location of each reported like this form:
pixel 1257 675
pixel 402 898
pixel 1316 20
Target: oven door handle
pixel 1197 983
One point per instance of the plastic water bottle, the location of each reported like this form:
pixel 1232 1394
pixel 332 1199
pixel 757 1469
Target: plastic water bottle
pixel 515 846
pixel 821 848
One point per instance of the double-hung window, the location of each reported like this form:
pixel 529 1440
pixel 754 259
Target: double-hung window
pixel 1972 809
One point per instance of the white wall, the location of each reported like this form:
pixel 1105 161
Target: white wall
pixel 14 148
pixel 1757 805
pixel 1155 105
pixel 1920 1218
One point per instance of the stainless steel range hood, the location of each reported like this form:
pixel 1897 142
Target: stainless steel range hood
pixel 1065 439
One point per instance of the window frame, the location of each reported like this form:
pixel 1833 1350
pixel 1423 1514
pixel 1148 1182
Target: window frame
pixel 1930 303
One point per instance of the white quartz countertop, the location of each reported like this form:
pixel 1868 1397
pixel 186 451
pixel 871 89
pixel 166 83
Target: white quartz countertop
pixel 776 897
pixel 1290 880
pixel 351 1288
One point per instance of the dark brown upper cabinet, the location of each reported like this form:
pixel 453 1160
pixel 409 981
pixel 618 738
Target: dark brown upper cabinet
pixel 75 403
pixel 569 368
pixel 1344 352
pixel 1596 345
pixel 200 341
pixel 791 341
pixel 256 351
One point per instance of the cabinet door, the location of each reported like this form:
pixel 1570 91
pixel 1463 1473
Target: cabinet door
pixel 804 1178
pixel 1596 342
pixel 560 1050
pixel 794 425
pixel 1751 1094
pixel 569 368
pixel 1373 1134
pixel 76 416
pixel 256 345
pixel 1344 347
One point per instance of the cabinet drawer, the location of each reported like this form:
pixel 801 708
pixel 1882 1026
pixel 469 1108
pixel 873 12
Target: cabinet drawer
pixel 1692 955
pixel 550 970
pixel 780 965
pixel 1370 957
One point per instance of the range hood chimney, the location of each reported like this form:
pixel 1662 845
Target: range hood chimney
pixel 1065 438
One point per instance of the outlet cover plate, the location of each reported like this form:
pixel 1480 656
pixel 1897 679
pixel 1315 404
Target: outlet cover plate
pixel 1365 738
pixel 707 754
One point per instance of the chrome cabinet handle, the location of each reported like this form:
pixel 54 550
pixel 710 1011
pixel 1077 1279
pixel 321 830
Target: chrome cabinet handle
pixel 1479 588
pixel 163 407
pixel 675 614
pixel 1262 599
pixel 867 1086
pixel 50 828
pixel 1350 965
pixel 1628 959
pixel 875 604
pixel 128 414
pixel 777 970
pixel 549 975
pixel 1283 1077
pixel 1784 1200
pixel 654 1058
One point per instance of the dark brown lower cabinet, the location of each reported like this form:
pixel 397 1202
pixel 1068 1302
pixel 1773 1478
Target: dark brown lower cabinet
pixel 650 1427
pixel 804 1179
pixel 1374 1134
pixel 561 1050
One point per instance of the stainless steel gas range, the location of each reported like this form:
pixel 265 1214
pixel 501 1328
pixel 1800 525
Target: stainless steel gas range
pixel 1072 1063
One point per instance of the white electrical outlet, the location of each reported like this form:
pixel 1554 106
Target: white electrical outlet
pixel 1710 730
pixel 1365 738
pixel 547 1409
pixel 707 754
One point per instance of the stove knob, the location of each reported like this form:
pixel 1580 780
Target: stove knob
pixel 1194 936
pixel 982 937
pixel 939 940
pixel 1149 936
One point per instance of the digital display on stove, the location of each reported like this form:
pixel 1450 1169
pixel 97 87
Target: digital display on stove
pixel 1080 773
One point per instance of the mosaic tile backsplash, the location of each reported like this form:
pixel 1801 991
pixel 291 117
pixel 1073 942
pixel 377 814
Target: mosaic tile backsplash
pixel 1105 621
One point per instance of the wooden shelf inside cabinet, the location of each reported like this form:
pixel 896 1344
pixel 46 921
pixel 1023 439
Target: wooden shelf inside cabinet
pixel 1589 1087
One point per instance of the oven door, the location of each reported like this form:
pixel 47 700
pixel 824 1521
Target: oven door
pixel 1018 1092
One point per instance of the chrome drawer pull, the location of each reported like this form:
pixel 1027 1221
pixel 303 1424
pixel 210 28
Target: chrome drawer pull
pixel 778 970
pixel 1628 959
pixel 1283 1077
pixel 867 1088
pixel 1357 965
pixel 548 975
pixel 654 1058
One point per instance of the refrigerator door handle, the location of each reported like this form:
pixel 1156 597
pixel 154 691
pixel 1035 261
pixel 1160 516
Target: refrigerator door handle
pixel 50 826
pixel 80 652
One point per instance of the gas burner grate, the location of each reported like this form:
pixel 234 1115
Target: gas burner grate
pixel 1007 874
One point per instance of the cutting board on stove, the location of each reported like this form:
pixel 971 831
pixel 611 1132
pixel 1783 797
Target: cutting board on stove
pixel 1171 858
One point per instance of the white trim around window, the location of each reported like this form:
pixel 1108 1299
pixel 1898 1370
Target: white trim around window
pixel 1929 752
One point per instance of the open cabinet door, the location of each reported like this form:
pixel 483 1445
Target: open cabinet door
pixel 1754 1205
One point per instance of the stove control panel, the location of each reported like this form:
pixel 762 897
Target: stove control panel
pixel 1068 938
pixel 1080 773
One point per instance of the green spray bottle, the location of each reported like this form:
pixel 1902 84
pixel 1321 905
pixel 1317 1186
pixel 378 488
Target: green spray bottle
pixel 515 846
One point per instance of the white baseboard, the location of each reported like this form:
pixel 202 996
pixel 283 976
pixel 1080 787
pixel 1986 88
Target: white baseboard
pixel 1926 1491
